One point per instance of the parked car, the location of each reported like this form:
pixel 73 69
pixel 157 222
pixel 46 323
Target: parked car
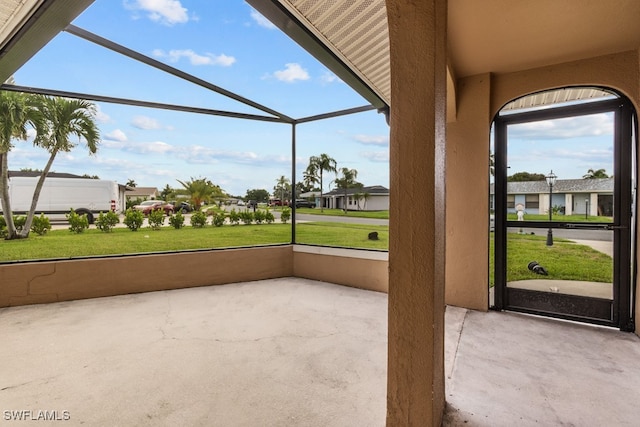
pixel 240 203
pixel 183 207
pixel 302 203
pixel 151 205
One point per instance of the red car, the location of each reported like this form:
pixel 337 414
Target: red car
pixel 151 205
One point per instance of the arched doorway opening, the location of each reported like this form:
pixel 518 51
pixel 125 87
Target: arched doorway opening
pixel 564 198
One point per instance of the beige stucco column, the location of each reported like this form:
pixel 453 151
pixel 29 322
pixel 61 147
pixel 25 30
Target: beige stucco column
pixel 417 32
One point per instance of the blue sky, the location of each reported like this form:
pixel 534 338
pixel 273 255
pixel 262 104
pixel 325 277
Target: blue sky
pixel 224 42
pixel 230 45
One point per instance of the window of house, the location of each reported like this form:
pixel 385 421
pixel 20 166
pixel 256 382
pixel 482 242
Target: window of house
pixel 511 201
pixel 532 201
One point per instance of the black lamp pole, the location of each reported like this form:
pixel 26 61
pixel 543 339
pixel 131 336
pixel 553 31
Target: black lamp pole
pixel 586 208
pixel 551 180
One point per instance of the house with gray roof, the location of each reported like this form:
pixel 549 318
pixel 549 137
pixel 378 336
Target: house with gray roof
pixel 593 197
pixel 370 198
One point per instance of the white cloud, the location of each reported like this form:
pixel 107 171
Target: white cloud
pixel 195 58
pixel 261 20
pixel 381 140
pixel 573 127
pixel 116 135
pixel 146 123
pixel 291 73
pixel 376 156
pixel 101 116
pixel 328 77
pixel 167 12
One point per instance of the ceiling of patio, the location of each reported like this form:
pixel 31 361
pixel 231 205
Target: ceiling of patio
pixel 351 37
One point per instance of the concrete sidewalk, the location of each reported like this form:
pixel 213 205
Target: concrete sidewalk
pixel 296 352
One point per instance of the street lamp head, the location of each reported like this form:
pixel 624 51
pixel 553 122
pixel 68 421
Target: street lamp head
pixel 551 179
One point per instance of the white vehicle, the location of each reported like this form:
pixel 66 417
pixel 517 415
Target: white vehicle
pixel 60 195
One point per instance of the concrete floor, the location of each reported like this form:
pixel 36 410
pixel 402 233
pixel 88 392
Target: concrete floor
pixel 295 352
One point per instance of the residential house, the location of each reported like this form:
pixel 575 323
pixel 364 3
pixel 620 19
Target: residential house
pixel 370 198
pixel 144 193
pixel 592 197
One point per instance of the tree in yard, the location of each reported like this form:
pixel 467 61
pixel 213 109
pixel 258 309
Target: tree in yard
pixel 201 190
pixel 166 192
pixel 16 113
pixel 131 183
pixel 594 174
pixel 362 197
pixel 317 166
pixel 283 188
pixel 346 181
pixel 61 118
pixel 260 195
pixel 526 176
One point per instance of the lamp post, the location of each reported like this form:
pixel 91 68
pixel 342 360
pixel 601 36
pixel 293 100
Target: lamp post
pixel 586 208
pixel 551 181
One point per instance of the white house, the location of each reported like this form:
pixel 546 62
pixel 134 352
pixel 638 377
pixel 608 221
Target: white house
pixel 574 196
pixel 372 198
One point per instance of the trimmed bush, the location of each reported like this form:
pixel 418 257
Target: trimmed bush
pixel 156 219
pixel 177 220
pixel 246 217
pixel 234 217
pixel 40 225
pixel 198 219
pixel 77 223
pixel 285 215
pixel 106 222
pixel 259 216
pixel 268 217
pixel 218 219
pixel 133 219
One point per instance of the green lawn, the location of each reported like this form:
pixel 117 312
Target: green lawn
pixel 563 261
pixel 563 218
pixel 64 244
pixel 340 212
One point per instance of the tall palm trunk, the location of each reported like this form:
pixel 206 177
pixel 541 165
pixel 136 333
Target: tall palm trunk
pixel 6 202
pixel 36 195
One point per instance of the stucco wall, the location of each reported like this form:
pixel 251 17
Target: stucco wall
pixel 42 282
pixel 467 266
pixel 359 269
pixel 45 282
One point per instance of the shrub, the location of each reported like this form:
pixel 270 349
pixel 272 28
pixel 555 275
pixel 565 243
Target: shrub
pixel 19 221
pixel 40 225
pixel 106 222
pixel 234 217
pixel 259 216
pixel 198 219
pixel 3 227
pixel 285 215
pixel 177 220
pixel 156 219
pixel 218 219
pixel 77 223
pixel 133 219
pixel 268 217
pixel 246 217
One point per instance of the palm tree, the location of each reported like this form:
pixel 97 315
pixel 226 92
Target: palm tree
pixel 61 118
pixel 201 190
pixel 132 183
pixel 594 174
pixel 282 185
pixel 320 164
pixel 16 112
pixel 346 181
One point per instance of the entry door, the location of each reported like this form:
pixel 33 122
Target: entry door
pixel 575 263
